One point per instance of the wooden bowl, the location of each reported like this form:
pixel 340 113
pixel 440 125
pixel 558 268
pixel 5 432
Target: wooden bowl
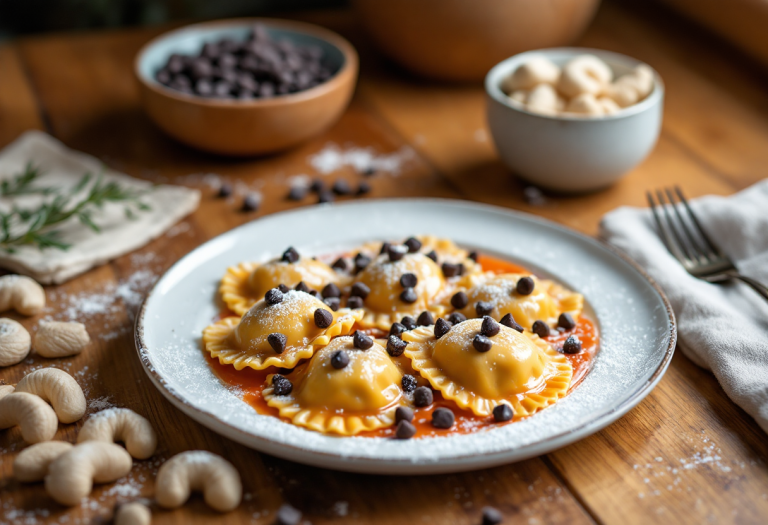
pixel 246 127
pixel 463 39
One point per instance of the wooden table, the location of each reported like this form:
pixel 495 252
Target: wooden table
pixel 686 454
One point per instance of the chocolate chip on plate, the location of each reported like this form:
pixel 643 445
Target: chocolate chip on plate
pixel 483 308
pixel 225 190
pixel 339 359
pixel 360 290
pixel 396 329
pixel 283 288
pixel 323 318
pixel 331 290
pixel 443 418
pixel 340 264
pixel 297 192
pixel 273 296
pixel 451 269
pixel 409 296
pixel 502 412
pixel 334 303
pixel 473 255
pixel 540 328
pixel 413 244
pixel 396 252
pixel 572 345
pixel 362 341
pixel 361 261
pixel 422 397
pixel 565 321
pixel 287 515
pixel 408 322
pixel 384 248
pixel 459 300
pixel 302 287
pixel 403 414
pixel 355 302
pixel 251 202
pixel 481 343
pixel 491 516
pixel 396 346
pixel 456 318
pixel 405 430
pixel 408 280
pixel 425 319
pixel 525 286
pixel 432 255
pixel 277 341
pixel 442 327
pixel 290 255
pixel 409 383
pixel 282 385
pixel 341 187
pixel 510 322
pixel 315 294
pixel 490 327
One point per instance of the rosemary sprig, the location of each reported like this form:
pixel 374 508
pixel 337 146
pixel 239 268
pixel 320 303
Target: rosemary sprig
pixel 22 184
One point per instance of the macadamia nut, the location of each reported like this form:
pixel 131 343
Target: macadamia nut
pixel 537 70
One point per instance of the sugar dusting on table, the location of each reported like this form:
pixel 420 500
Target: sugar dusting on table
pixel 333 158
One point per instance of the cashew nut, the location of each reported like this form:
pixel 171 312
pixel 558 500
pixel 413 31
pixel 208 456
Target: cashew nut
pixel 201 471
pixel 22 294
pixel 35 417
pixel 121 424
pixel 609 105
pixel 5 390
pixel 15 342
pixel 545 100
pixel 57 388
pixel 584 74
pixel 57 339
pixel 32 463
pixel 538 70
pixel 72 475
pixel 622 93
pixel 134 513
pixel 520 96
pixel 585 104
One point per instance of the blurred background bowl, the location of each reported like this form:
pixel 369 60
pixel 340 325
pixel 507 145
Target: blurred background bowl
pixel 246 127
pixel 462 39
pixel 570 153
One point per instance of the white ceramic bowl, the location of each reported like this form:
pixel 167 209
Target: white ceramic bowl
pixel 569 153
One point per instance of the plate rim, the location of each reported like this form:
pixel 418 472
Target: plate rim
pixel 348 462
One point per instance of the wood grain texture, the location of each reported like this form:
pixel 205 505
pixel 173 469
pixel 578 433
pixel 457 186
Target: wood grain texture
pixel 685 455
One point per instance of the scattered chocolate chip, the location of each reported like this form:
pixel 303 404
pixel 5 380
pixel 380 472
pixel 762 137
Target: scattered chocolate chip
pixel 481 343
pixel 323 318
pixel 525 286
pixel 290 255
pixel 483 308
pixel 432 255
pixel 572 345
pixel 317 186
pixel 333 303
pixel 301 287
pixel 225 190
pixel 459 300
pixel 408 280
pixel 565 321
pixel 283 288
pixel 409 383
pixel 384 248
pixel 355 302
pixel 331 290
pixel 360 290
pixel 396 329
pixel 473 255
pixel 425 319
pixel 341 187
pixel 340 264
pixel 405 430
pixel 273 296
pixel 409 296
pixel 363 188
pixel 361 261
pixel 540 328
pixel 456 318
pixel 442 327
pixel 534 196
pixel 277 341
pixel 369 171
pixel 491 516
pixel 403 414
pixel 339 359
pixel 282 385
pixel 452 270
pixel 325 196
pixel 297 192
pixel 443 418
pixel 510 322
pixel 396 346
pixel 413 244
pixel 490 327
pixel 502 412
pixel 315 294
pixel 422 396
pixel 251 202
pixel 287 515
pixel 396 252
pixel 408 322
pixel 361 341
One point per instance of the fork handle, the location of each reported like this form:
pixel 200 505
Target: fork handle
pixel 755 285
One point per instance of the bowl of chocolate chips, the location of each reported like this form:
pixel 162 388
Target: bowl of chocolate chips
pixel 246 86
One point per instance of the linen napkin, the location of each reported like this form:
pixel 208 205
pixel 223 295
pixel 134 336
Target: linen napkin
pixel 63 167
pixel 723 328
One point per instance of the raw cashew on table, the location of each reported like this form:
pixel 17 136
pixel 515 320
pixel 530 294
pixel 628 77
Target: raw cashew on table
pixel 59 389
pixel 35 417
pixel 72 475
pixel 15 342
pixel 121 424
pixel 32 463
pixel 198 470
pixel 5 390
pixel 22 294
pixel 134 513
pixel 57 339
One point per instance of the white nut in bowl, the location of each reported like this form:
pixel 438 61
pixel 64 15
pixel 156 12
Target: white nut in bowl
pixel 520 96
pixel 609 105
pixel 537 70
pixel 15 342
pixel 585 104
pixel 623 95
pixel 198 470
pixel 544 99
pixel 61 339
pixel 584 74
pixel 34 416
pixel 32 463
pixel 121 424
pixel 22 294
pixel 57 388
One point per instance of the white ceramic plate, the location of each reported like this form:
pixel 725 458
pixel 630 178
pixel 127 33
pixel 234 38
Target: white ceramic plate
pixel 637 332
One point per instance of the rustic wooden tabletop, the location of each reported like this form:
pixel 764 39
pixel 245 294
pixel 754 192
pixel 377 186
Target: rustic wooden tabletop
pixel 686 454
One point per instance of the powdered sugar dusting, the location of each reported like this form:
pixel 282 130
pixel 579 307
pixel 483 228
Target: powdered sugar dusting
pixel 333 158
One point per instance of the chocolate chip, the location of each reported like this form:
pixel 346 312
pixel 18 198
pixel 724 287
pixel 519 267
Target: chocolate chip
pixel 273 296
pixel 408 322
pixel 339 359
pixel 396 346
pixel 481 343
pixel 287 515
pixel 297 193
pixel 565 321
pixel 408 280
pixel 510 322
pixel 331 290
pixel 409 296
pixel 277 341
pixel 325 196
pixel 317 186
pixel 282 385
pixel 405 430
pixel 251 202
pixel 323 318
pixel 340 264
pixel 456 318
pixel 483 308
pixel 525 286
pixel 362 341
pixel 341 187
pixel 359 289
pixel 413 244
pixel 333 303
pixel 283 288
pixel 540 328
pixel 403 414
pixel 459 300
pixel 290 255
pixel 363 188
pixel 443 418
pixel 491 516
pixel 572 345
pixel 425 319
pixel 432 255
pixel 490 327
pixel 302 287
pixel 315 294
pixel 396 252
pixel 502 412
pixel 534 196
pixel 422 396
pixel 361 261
pixel 409 383
pixel 396 329
pixel 355 302
pixel 384 248
pixel 442 327
pixel 225 190
pixel 473 255
pixel 452 270
pixel 369 171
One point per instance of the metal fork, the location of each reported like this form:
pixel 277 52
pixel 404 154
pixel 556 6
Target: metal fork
pixel 690 244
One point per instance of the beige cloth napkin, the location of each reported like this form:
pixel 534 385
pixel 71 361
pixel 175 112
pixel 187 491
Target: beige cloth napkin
pixel 63 167
pixel 723 328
